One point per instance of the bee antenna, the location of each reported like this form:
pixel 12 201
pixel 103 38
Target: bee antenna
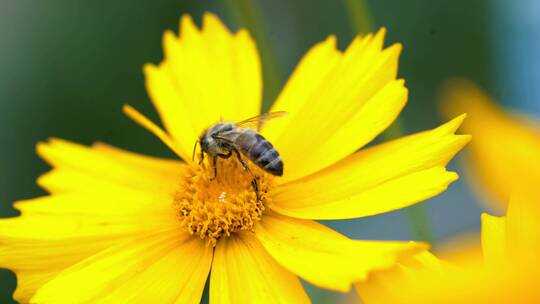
pixel 194 148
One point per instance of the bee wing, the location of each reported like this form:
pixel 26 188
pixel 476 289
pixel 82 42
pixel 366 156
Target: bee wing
pixel 258 121
pixel 229 136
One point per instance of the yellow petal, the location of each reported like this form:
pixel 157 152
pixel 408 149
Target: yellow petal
pixel 37 261
pixel 243 272
pixel 505 149
pixel 146 123
pixel 337 103
pixel 102 195
pixel 88 169
pixel 324 257
pixel 379 179
pixel 206 75
pixel 523 224
pixel 461 250
pixel 75 216
pixel 169 266
pixel 98 191
pixel 494 240
pixel 165 166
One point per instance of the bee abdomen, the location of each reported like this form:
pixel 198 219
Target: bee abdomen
pixel 271 162
pixel 261 152
pixel 274 166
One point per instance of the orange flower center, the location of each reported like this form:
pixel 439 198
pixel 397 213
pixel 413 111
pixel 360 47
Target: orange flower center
pixel 213 207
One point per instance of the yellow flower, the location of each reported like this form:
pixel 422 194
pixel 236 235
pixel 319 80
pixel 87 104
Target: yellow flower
pixel 507 273
pixel 506 149
pixel 122 227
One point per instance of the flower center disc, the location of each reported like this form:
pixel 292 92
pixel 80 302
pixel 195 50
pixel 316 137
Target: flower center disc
pixel 212 207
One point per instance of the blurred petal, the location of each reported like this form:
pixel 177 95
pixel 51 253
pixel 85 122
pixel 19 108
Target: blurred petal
pixel 243 272
pixel 505 150
pixel 167 266
pixel 523 224
pixel 466 285
pixel 494 240
pixel 383 284
pixel 461 250
pixel 206 75
pixel 507 275
pixel 338 102
pixel 383 178
pixel 324 257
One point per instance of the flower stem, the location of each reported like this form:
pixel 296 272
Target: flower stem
pixel 247 13
pixel 359 16
pixel 361 22
pixel 419 222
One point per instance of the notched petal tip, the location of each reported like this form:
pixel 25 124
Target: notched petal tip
pixel 451 126
pixel 454 124
pixel 380 35
pixel 396 48
pixel 149 68
pixel 453 176
pixel 401 82
pixel 328 42
pixel 466 138
pixel 212 22
pixel 187 24
pixel 168 38
pixel 378 39
pixel 210 16
pixel 45 149
pixel 460 118
pixel 40 147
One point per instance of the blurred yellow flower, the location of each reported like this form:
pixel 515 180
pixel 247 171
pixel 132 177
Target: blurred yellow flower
pixel 508 272
pixel 506 148
pixel 122 227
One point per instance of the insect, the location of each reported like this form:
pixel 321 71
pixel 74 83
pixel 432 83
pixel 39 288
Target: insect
pixel 242 139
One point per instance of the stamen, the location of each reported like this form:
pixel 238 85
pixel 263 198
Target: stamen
pixel 213 207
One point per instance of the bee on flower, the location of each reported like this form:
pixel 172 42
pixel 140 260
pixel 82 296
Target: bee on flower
pixel 122 227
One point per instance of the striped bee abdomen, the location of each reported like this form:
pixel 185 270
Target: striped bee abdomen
pixel 261 152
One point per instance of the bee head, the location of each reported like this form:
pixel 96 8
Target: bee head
pixel 203 141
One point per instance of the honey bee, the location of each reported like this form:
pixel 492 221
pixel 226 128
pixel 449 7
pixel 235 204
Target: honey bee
pixel 224 139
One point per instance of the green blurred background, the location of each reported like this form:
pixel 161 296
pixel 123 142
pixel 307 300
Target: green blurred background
pixel 68 66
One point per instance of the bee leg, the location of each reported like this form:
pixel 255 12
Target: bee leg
pixel 256 188
pixel 254 181
pixel 243 163
pixel 202 158
pixel 214 161
pixel 214 165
